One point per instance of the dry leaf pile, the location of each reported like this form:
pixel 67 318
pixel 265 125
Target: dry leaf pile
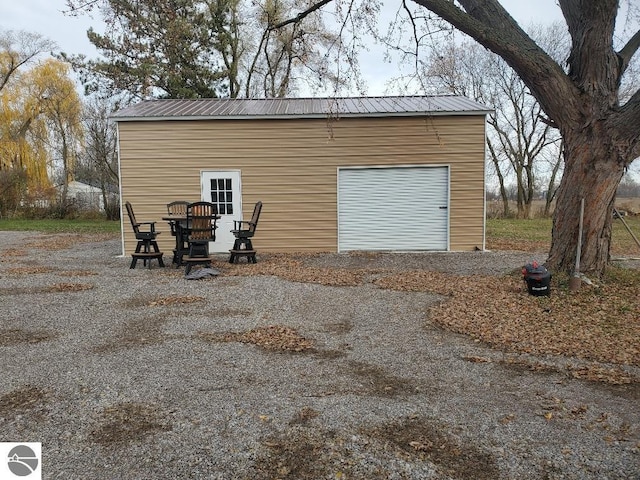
pixel 31 270
pixel 600 324
pixel 284 266
pixel 69 287
pixel 275 338
pixel 14 252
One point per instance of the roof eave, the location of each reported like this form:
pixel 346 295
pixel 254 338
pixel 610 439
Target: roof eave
pixel 300 116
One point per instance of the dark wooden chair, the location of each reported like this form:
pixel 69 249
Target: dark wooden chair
pixel 200 229
pixel 244 232
pixel 147 247
pixel 179 209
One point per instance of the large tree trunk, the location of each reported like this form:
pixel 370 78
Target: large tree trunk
pixel 601 135
pixel 593 171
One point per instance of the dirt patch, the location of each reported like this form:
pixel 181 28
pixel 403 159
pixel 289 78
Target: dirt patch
pixel 19 291
pixel 33 270
pixel 376 381
pixel 223 312
pixel 329 354
pixel 55 288
pixel 68 287
pixel 128 423
pixel 428 440
pixel 136 333
pixel 22 400
pixel 298 453
pixel 175 300
pixel 339 328
pixel 274 338
pixel 16 336
pixel 307 451
pixel 304 416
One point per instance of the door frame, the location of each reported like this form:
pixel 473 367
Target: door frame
pixel 446 206
pixel 224 237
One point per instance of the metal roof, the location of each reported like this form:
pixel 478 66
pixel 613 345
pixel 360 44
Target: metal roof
pixel 242 108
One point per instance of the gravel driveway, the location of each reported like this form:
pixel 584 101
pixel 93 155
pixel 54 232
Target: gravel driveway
pixel 141 374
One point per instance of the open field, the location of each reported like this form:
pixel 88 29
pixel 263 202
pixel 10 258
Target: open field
pixel 535 235
pixel 494 207
pixel 61 226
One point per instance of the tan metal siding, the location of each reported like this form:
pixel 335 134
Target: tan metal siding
pixel 291 165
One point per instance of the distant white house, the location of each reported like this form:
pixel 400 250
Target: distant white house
pixel 86 197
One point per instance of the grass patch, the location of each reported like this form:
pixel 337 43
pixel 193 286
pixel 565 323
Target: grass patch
pixel 535 234
pixel 61 226
pixel 535 229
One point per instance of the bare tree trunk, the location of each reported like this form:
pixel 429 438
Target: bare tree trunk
pixel 593 171
pixel 503 189
pixel 601 135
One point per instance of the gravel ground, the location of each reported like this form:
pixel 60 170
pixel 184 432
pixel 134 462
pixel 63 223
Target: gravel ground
pixel 137 374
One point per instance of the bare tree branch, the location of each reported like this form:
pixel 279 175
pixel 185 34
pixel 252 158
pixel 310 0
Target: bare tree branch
pixel 77 7
pixel 492 26
pixel 20 48
pixel 628 51
pixel 627 122
pixel 301 15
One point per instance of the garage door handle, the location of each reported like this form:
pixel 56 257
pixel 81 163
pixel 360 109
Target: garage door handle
pixel 443 208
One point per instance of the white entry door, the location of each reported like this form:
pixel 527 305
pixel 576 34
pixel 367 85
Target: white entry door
pixel 223 188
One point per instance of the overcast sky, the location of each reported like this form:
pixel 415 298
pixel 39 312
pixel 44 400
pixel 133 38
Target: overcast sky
pixel 46 17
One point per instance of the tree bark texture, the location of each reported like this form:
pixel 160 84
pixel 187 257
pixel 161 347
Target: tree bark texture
pixel 593 172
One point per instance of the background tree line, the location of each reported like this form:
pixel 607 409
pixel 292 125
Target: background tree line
pixel 149 49
pixel 49 135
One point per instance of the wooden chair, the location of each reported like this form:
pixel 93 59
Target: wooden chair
pixel 179 209
pixel 200 230
pixel 244 232
pixel 147 247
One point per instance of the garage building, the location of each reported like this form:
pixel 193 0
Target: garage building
pixel 334 174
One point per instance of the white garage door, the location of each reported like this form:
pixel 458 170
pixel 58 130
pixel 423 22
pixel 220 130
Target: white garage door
pixel 399 208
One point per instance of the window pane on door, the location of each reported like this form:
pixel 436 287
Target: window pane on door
pixel 222 195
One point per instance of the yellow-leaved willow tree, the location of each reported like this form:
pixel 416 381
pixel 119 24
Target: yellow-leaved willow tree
pixel 40 125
